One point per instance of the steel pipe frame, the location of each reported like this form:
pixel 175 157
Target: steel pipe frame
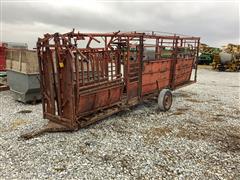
pixel 66 52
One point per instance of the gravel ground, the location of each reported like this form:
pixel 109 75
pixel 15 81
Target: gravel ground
pixel 198 138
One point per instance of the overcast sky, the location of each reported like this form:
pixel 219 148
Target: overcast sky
pixel 217 23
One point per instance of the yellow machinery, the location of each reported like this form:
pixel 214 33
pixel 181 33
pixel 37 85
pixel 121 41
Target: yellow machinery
pixel 228 59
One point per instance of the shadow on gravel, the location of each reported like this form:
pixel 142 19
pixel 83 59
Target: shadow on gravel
pixel 183 94
pixel 25 111
pixel 226 138
pixel 153 134
pixel 180 111
pixel 194 100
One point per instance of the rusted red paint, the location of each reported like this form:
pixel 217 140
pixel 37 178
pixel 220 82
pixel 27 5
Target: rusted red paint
pixel 89 76
pixel 2 57
pixel 156 75
pixel 98 99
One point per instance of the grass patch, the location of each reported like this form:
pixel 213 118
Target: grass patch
pixel 153 134
pixel 227 138
pixel 18 122
pixel 180 111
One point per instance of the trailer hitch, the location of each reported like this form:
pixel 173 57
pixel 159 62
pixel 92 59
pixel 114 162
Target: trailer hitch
pixel 49 128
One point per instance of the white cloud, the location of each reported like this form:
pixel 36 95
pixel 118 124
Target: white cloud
pixel 214 22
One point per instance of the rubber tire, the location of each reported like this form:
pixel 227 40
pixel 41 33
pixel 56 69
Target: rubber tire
pixel 165 93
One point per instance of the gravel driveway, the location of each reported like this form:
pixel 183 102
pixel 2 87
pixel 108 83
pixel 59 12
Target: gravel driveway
pixel 198 138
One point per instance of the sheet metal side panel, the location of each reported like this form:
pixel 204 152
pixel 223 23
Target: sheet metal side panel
pixel 101 98
pixel 156 75
pixel 183 71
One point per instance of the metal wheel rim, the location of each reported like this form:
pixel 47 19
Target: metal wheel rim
pixel 167 101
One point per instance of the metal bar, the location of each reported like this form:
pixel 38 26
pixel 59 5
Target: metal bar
pixel 141 49
pixel 127 67
pixel 77 77
pixel 196 60
pixel 97 64
pixel 102 65
pixel 98 88
pixel 88 74
pixel 111 61
pixel 157 48
pixel 54 80
pixel 41 75
pixel 58 74
pixel 89 41
pixel 115 64
pixel 93 66
pixel 174 61
pixel 115 34
pixel 82 71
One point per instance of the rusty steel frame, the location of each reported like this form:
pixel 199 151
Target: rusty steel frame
pixel 86 77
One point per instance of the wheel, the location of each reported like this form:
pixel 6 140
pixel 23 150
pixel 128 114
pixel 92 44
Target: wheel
pixel 165 100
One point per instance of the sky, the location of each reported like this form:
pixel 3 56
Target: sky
pixel 216 22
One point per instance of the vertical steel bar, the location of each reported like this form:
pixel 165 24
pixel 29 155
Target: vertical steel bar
pixel 111 60
pixel 196 60
pixel 92 68
pixel 161 48
pixel 157 48
pixel 174 61
pixel 101 54
pixel 103 64
pixel 115 63
pixel 49 53
pixel 106 57
pixel 97 64
pixel 82 72
pixel 58 72
pixel 118 57
pixel 141 49
pixel 88 78
pixel 77 75
pixel 40 63
pixel 127 67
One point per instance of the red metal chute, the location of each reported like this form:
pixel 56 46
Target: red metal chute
pixel 86 77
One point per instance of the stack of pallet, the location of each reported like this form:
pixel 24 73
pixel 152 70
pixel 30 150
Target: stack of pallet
pixel 228 59
pixel 232 48
pixel 23 74
pixel 22 60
